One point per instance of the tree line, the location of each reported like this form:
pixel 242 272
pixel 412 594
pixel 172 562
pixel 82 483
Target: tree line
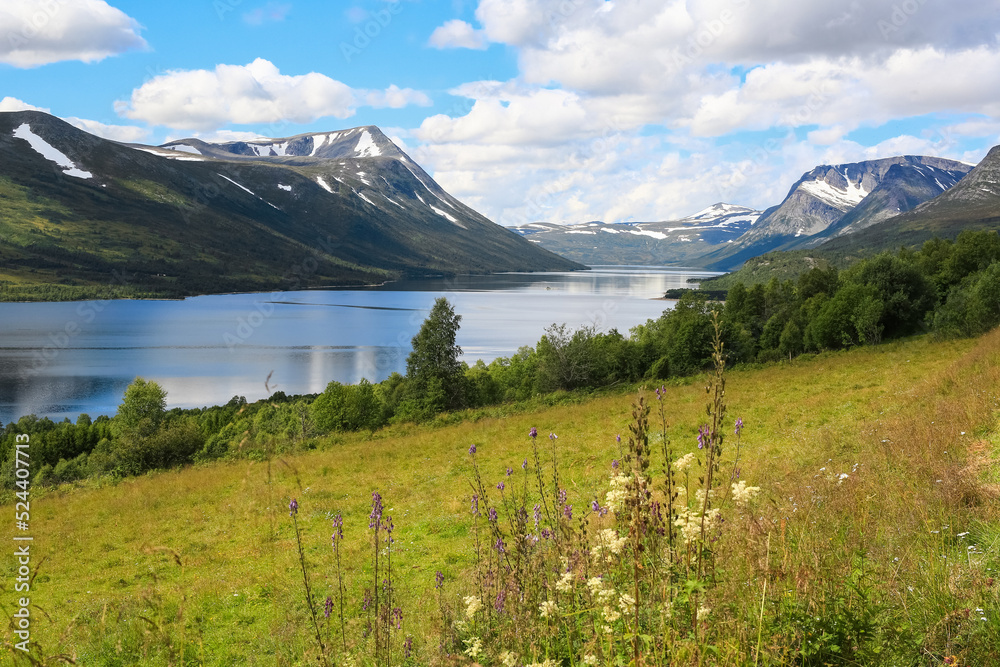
pixel 950 288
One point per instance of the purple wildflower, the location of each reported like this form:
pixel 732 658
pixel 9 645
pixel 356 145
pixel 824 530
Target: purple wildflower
pixel 533 433
pixel 293 507
pixel 367 601
pixel 500 486
pixel 546 533
pixel 397 613
pixel 492 515
pixel 338 529
pixel 472 449
pixel 538 514
pixel 328 606
pixel 562 496
pixel 524 466
pixel 510 471
pixel 739 425
pixel 475 504
pixel 703 436
pixel 500 546
pixel 501 598
pixel 618 438
pixel 553 436
pixel 408 647
pixel 439 579
pixel 614 462
pixel 568 511
pixel 375 518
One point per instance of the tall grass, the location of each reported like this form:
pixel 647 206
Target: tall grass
pixel 853 552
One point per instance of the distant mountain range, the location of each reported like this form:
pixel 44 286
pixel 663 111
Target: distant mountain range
pixel 878 203
pixel 335 208
pixel 668 242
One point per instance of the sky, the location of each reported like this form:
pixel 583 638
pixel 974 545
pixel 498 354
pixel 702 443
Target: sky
pixel 530 110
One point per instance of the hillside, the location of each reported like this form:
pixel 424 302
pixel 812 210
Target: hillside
pixel 325 209
pixel 202 562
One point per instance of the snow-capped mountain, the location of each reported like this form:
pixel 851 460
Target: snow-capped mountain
pixel 822 197
pixel 343 207
pixel 665 242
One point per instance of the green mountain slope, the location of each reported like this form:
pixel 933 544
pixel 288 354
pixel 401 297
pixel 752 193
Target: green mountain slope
pixel 174 222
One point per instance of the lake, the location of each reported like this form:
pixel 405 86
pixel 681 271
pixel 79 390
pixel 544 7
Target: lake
pixel 63 359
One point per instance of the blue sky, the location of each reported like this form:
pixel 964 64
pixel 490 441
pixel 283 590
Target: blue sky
pixel 561 110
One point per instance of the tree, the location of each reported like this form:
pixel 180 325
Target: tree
pixel 143 407
pixel 434 359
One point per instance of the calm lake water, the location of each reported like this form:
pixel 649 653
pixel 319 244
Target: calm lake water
pixel 63 359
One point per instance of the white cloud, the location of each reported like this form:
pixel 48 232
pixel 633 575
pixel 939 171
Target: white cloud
pixel 206 100
pixel 14 104
pixel 39 32
pixel 395 97
pixel 123 133
pixel 272 12
pixel 457 34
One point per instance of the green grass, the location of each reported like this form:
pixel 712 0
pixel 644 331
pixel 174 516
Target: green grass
pixel 111 592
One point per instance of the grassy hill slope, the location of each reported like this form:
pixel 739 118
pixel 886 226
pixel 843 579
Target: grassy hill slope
pixel 204 559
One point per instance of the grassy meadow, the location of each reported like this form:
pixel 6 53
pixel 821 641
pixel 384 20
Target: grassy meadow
pixel 875 538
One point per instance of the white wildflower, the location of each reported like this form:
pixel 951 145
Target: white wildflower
pixel 461 626
pixel 841 477
pixel 475 645
pixel 590 659
pixel 703 612
pixel 508 659
pixel 743 494
pixel 684 462
pixel 548 608
pixel 472 605
pixel 611 614
pixel 626 602
pixel 595 584
pixel 565 583
pixel 618 493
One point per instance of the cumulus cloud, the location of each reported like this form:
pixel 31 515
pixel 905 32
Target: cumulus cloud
pixel 14 104
pixel 457 34
pixel 123 133
pixel 206 100
pixel 39 32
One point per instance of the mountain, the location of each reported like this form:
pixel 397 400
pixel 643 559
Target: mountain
pixel 972 203
pixel 822 203
pixel 673 242
pixel 336 208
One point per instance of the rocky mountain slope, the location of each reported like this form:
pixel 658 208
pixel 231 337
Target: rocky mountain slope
pixel 188 217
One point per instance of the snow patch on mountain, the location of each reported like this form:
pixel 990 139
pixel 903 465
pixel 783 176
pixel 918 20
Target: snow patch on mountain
pixel 286 188
pixel 323 184
pixel 241 187
pixel 843 199
pixel 366 146
pixel 184 148
pixel 49 152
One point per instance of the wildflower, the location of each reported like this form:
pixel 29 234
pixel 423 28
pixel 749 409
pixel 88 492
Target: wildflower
pixel 626 602
pixel 492 515
pixel 590 660
pixel 548 608
pixel 408 647
pixel 500 546
pixel 565 583
pixel 703 436
pixel 475 645
pixel 472 605
pixel 538 514
pixel 338 529
pixel 500 486
pixel 546 533
pixel 524 466
pixel 475 504
pixel 439 579
pixel 499 602
pixel 293 507
pixel 616 497
pixel 472 449
pixel 328 606
pixel 841 477
pixel 508 659
pixel 375 518
pixel 568 512
pixel 614 462
pixel 553 436
pixel 611 614
pixel 743 494
pixel 510 471
pixel 703 612
pixel 739 425
pixel 397 613
pixel 533 433
pixel 684 462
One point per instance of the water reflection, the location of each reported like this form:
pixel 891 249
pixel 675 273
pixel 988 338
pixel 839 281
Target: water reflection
pixel 61 359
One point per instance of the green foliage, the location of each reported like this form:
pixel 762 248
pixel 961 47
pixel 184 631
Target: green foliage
pixel 142 409
pixel 433 370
